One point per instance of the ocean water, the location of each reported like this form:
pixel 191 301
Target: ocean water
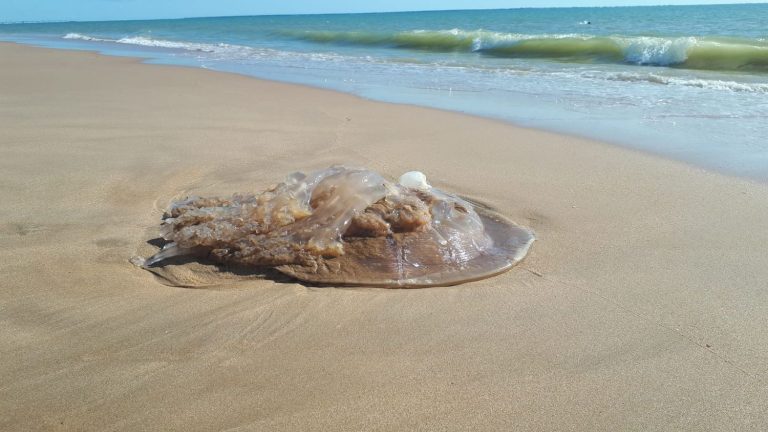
pixel 685 82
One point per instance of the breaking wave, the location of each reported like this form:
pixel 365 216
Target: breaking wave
pixel 685 52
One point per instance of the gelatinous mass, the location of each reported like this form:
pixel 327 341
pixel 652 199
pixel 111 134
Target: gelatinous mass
pixel 347 226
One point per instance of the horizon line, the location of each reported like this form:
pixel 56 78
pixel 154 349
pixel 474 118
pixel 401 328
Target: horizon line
pixel 62 21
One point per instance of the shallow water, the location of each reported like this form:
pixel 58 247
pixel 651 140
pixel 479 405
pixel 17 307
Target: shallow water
pixel 690 83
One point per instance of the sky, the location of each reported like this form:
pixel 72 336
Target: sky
pixel 90 10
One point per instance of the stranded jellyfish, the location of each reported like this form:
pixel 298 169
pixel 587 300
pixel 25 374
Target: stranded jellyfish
pixel 345 226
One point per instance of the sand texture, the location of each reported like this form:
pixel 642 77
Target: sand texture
pixel 643 305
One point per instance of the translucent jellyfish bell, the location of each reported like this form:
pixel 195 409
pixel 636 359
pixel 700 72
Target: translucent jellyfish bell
pixel 345 226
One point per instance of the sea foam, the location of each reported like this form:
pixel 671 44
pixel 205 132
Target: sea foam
pixel 81 37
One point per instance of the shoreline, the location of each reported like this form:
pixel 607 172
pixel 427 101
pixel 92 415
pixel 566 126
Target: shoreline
pixel 633 147
pixel 642 305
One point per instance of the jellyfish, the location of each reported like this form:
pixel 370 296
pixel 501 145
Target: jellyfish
pixel 348 226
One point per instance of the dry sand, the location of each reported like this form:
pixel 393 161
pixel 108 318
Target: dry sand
pixel 643 306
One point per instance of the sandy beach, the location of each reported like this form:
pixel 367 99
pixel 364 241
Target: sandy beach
pixel 642 306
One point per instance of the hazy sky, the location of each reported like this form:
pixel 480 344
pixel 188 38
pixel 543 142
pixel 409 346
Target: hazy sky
pixel 83 10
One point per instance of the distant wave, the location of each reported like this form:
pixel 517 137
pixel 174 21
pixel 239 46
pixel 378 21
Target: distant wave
pixel 684 52
pixel 81 37
pixel 143 41
pixel 218 51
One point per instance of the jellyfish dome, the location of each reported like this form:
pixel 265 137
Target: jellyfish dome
pixel 348 226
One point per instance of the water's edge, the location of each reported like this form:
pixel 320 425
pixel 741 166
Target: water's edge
pixel 146 58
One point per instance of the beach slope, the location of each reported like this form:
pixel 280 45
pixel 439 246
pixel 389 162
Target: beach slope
pixel 642 306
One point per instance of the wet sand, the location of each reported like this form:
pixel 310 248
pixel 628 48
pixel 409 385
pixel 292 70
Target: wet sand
pixel 642 306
